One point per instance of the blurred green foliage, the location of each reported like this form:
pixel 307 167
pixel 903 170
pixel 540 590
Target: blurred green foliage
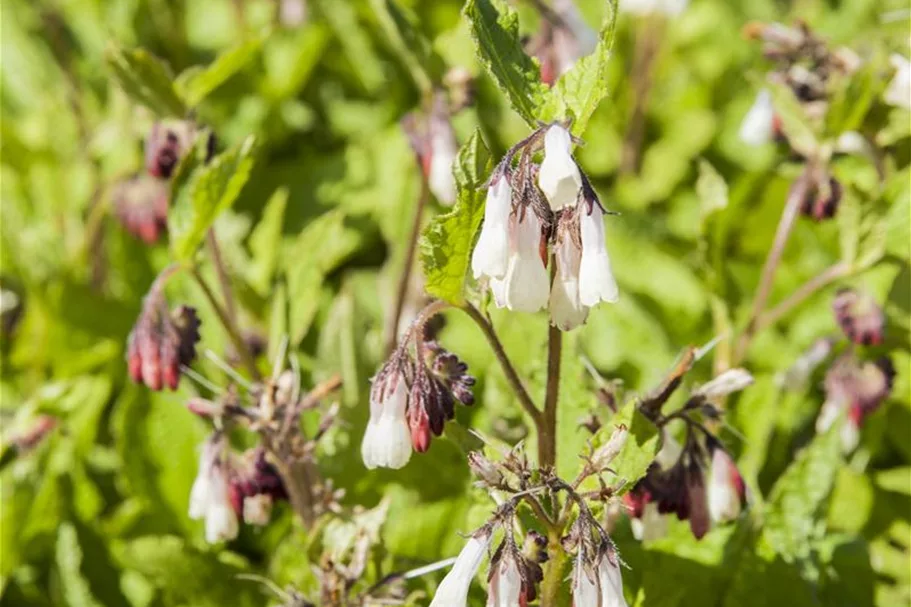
pixel 312 221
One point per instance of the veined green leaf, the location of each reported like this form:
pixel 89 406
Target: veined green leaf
pixel 196 83
pixel 208 191
pixel 146 80
pixel 445 245
pixel 578 92
pixel 495 29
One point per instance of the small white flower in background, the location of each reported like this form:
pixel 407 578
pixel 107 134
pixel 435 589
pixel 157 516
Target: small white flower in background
pixel 585 585
pixel 526 285
pixel 726 490
pixel 505 587
pixel 898 92
pixel 258 509
pixel 651 526
pixel 453 590
pixel 758 126
pixel 566 311
pixel 574 40
pixel 387 440
pixel 559 176
pixel 596 280
pixel 491 255
pixel 671 8
pixel 443 152
pixel 732 380
pixel 210 497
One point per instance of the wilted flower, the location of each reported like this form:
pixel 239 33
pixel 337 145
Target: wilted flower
pixel 453 590
pixel 525 286
pixel 387 440
pixel 210 497
pixel 255 486
pixel 141 205
pixel 566 311
pixel 728 382
pixel 559 177
pixel 898 92
pixel 859 316
pixel 491 255
pixel 485 470
pixel 758 126
pixel 161 342
pixel 727 492
pixel 599 584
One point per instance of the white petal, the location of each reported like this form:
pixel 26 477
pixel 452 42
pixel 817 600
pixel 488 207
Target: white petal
pixel 585 590
pixel 443 150
pixel 596 280
pixel 221 523
pixel 850 436
pixel 898 92
pixel 757 126
pixel 827 415
pixel 387 440
pixel 453 590
pixel 527 285
pixel 199 497
pixel 559 176
pixel 611 582
pixel 490 256
pixel 732 380
pixel 651 526
pixel 724 502
pixel 505 585
pixel 566 311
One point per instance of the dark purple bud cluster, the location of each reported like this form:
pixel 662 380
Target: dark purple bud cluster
pixel 822 198
pixel 859 316
pixel 161 342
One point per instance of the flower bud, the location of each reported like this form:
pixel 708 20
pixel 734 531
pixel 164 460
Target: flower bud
pixel 484 469
pixel 161 343
pixel 859 316
pixel 604 455
pixel 730 381
pixel 726 491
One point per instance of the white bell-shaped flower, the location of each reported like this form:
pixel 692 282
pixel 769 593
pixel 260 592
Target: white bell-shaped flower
pixel 453 590
pixel 387 440
pixel 505 588
pixel 491 254
pixel 525 287
pixel 898 93
pixel 443 151
pixel 559 177
pixel 758 126
pixel 586 591
pixel 726 490
pixel 611 581
pixel 566 311
pixel 596 280
pixel 210 497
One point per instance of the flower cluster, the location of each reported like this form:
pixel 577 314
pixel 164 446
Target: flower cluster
pixel 162 341
pixel 534 212
pixel 697 481
pixel 410 400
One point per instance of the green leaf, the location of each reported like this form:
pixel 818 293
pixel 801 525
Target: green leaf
pixel 578 92
pixel 355 40
pixel 711 189
pixel 445 245
pixel 146 80
pixel 407 40
pixel 196 83
pixel 69 562
pixel 495 30
pixel 794 121
pixel 264 241
pixel 641 446
pixel 848 219
pixel 208 191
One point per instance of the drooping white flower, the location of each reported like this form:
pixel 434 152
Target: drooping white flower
pixel 566 311
pixel 758 127
pixel 726 490
pixel 505 588
pixel 596 280
pixel 453 590
pixel 491 254
pixel 611 581
pixel 574 39
pixel 443 151
pixel 849 431
pixel 586 591
pixel 732 380
pixel 387 440
pixel 210 497
pixel 559 177
pixel 898 93
pixel 525 287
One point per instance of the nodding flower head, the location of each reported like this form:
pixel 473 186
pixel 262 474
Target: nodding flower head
pixel 161 342
pixel 596 279
pixel 559 176
pixel 505 582
pixel 387 440
pixel 525 286
pixel 758 126
pixel 211 497
pixel 726 490
pixel 859 316
pixel 491 255
pixel 453 590
pixel 141 205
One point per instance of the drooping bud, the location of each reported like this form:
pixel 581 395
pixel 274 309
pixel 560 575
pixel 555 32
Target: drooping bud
pixel 859 316
pixel 166 144
pixel 596 279
pixel 491 255
pixel 559 177
pixel 141 205
pixel 453 590
pixel 728 382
